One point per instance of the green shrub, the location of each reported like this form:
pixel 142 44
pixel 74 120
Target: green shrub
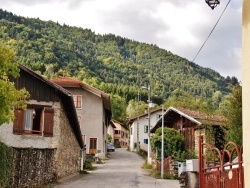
pixel 145 165
pixel 174 143
pixel 88 165
pixel 5 164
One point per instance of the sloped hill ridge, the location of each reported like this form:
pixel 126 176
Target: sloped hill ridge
pixel 111 63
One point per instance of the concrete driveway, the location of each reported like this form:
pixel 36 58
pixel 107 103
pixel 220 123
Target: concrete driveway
pixel 121 170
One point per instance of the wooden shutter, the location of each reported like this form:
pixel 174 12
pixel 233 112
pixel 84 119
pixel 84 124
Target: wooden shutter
pixel 48 122
pixel 18 124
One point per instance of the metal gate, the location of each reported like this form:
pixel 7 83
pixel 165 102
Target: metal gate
pixel 220 169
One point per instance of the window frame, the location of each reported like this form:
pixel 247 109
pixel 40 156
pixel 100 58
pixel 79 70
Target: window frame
pixel 145 128
pixel 44 123
pixel 77 101
pixel 79 118
pixel 158 116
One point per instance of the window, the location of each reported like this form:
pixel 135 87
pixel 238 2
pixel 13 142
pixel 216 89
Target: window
pixel 79 120
pixel 145 141
pixel 77 101
pixel 158 116
pixel 84 139
pixel 117 131
pixel 34 120
pixel 103 128
pixel 145 128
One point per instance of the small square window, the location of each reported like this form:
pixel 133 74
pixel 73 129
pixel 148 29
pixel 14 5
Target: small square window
pixel 145 141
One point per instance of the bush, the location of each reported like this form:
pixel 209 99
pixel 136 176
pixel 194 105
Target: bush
pixel 88 165
pixel 145 165
pixel 174 144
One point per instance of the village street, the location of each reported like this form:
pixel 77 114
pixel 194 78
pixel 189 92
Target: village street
pixel 121 170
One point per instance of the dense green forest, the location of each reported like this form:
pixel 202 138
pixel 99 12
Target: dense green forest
pixel 114 64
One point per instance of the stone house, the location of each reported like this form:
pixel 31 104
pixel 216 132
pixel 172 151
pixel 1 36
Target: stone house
pixel 93 109
pixel 121 134
pixel 191 124
pixel 138 127
pixel 46 138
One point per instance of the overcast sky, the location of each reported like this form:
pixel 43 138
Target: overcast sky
pixel 180 26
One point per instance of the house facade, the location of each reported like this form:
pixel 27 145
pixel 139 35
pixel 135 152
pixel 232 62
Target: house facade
pixel 45 137
pixel 139 128
pixel 94 114
pixel 111 131
pixel 191 124
pixel 121 134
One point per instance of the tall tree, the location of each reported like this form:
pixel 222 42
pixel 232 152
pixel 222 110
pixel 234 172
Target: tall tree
pixel 118 105
pixel 234 116
pixel 9 96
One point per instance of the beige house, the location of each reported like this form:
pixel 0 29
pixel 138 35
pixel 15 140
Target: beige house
pixel 94 113
pixel 45 138
pixel 111 131
pixel 121 134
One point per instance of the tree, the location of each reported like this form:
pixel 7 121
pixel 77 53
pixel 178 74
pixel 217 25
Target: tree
pixel 118 105
pixel 233 115
pixel 135 108
pixel 109 138
pixel 9 96
pixel 174 144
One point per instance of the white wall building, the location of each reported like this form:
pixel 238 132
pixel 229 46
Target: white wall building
pixel 142 122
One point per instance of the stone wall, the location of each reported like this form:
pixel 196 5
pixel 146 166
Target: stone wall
pixel 68 153
pixel 32 167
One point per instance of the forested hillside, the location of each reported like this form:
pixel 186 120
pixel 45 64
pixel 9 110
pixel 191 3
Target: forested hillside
pixel 111 63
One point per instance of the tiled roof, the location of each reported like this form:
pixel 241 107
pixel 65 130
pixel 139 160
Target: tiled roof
pixel 66 81
pixel 196 116
pixel 72 82
pixel 204 118
pixel 131 120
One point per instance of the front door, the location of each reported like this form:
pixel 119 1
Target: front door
pixel 93 145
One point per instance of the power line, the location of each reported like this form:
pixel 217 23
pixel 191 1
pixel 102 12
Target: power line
pixel 211 31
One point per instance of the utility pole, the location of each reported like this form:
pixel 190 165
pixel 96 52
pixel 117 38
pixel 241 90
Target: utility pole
pixel 138 129
pixel 149 127
pixel 162 143
pixel 149 102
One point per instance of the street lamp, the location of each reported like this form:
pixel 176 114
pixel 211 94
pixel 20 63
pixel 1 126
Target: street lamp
pixel 212 3
pixel 150 104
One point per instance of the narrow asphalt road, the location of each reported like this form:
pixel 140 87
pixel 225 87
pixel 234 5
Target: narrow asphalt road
pixel 121 170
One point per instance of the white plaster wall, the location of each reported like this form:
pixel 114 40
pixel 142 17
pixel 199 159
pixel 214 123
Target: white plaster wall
pixel 92 119
pixel 25 141
pixel 142 122
pixel 246 88
pixel 132 136
pixel 110 131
